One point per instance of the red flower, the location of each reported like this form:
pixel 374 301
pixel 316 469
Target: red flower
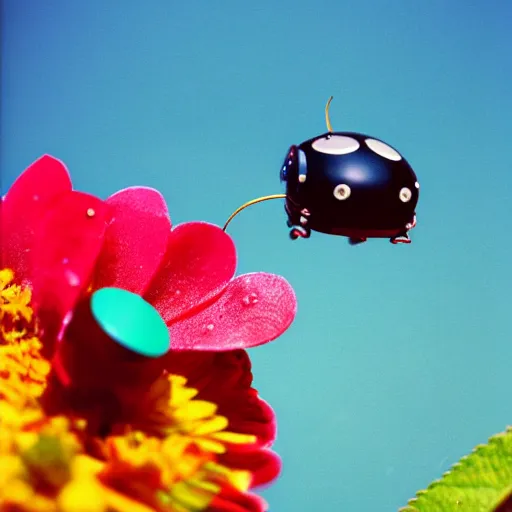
pixel 164 443
pixel 225 378
pixel 66 243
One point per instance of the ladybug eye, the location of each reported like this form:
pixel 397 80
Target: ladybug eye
pixel 383 149
pixel 405 195
pixel 342 192
pixel 335 145
pixel 288 164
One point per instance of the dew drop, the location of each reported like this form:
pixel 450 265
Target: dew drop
pixel 208 328
pixel 250 300
pixel 90 212
pixel 66 320
pixel 72 278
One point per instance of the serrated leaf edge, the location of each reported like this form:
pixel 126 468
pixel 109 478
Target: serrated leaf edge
pixel 457 466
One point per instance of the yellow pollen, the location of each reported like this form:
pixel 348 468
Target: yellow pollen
pixel 163 456
pixel 23 370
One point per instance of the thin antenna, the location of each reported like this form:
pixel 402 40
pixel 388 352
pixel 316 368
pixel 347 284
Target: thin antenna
pixel 327 119
pixel 250 203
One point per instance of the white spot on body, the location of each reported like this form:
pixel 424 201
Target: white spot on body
pixel 336 145
pixel 405 195
pixel 382 149
pixel 417 185
pixel 342 192
pixel 302 178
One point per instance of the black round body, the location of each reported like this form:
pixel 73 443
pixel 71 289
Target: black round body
pixel 350 184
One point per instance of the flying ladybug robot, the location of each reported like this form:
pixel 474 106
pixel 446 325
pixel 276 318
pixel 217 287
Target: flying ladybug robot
pixel 347 184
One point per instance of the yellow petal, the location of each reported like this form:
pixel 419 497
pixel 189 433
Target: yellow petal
pixel 6 276
pixel 239 479
pixel 232 437
pixel 82 496
pixel 204 484
pixel 216 424
pixel 17 491
pixel 209 445
pixel 186 496
pixel 195 410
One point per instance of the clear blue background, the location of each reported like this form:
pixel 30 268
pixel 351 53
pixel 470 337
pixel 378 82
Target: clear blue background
pixel 399 360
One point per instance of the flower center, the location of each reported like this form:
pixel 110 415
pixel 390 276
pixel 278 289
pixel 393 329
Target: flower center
pixel 161 452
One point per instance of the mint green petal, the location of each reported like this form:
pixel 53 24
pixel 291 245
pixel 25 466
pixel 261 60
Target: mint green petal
pixel 131 321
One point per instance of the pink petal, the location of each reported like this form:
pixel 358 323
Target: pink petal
pixel 254 309
pixel 230 499
pixel 68 242
pixel 265 465
pixel 199 263
pixel 23 206
pixel 135 241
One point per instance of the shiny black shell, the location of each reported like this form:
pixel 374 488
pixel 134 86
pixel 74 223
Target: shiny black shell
pixel 377 188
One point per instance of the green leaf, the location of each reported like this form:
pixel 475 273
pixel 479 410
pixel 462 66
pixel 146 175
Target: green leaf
pixel 479 482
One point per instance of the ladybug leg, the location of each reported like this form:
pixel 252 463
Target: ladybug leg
pixel 401 239
pixel 412 224
pixel 356 241
pixel 299 231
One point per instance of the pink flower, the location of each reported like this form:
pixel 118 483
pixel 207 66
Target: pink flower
pixel 66 244
pixel 113 429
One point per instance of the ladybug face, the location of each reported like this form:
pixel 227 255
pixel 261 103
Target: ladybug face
pixel 349 184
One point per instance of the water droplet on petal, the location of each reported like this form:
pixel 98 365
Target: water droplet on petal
pixel 208 328
pixel 67 319
pixel 250 300
pixel 72 278
pixel 90 212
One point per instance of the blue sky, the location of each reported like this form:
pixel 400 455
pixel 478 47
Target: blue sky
pixel 397 363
